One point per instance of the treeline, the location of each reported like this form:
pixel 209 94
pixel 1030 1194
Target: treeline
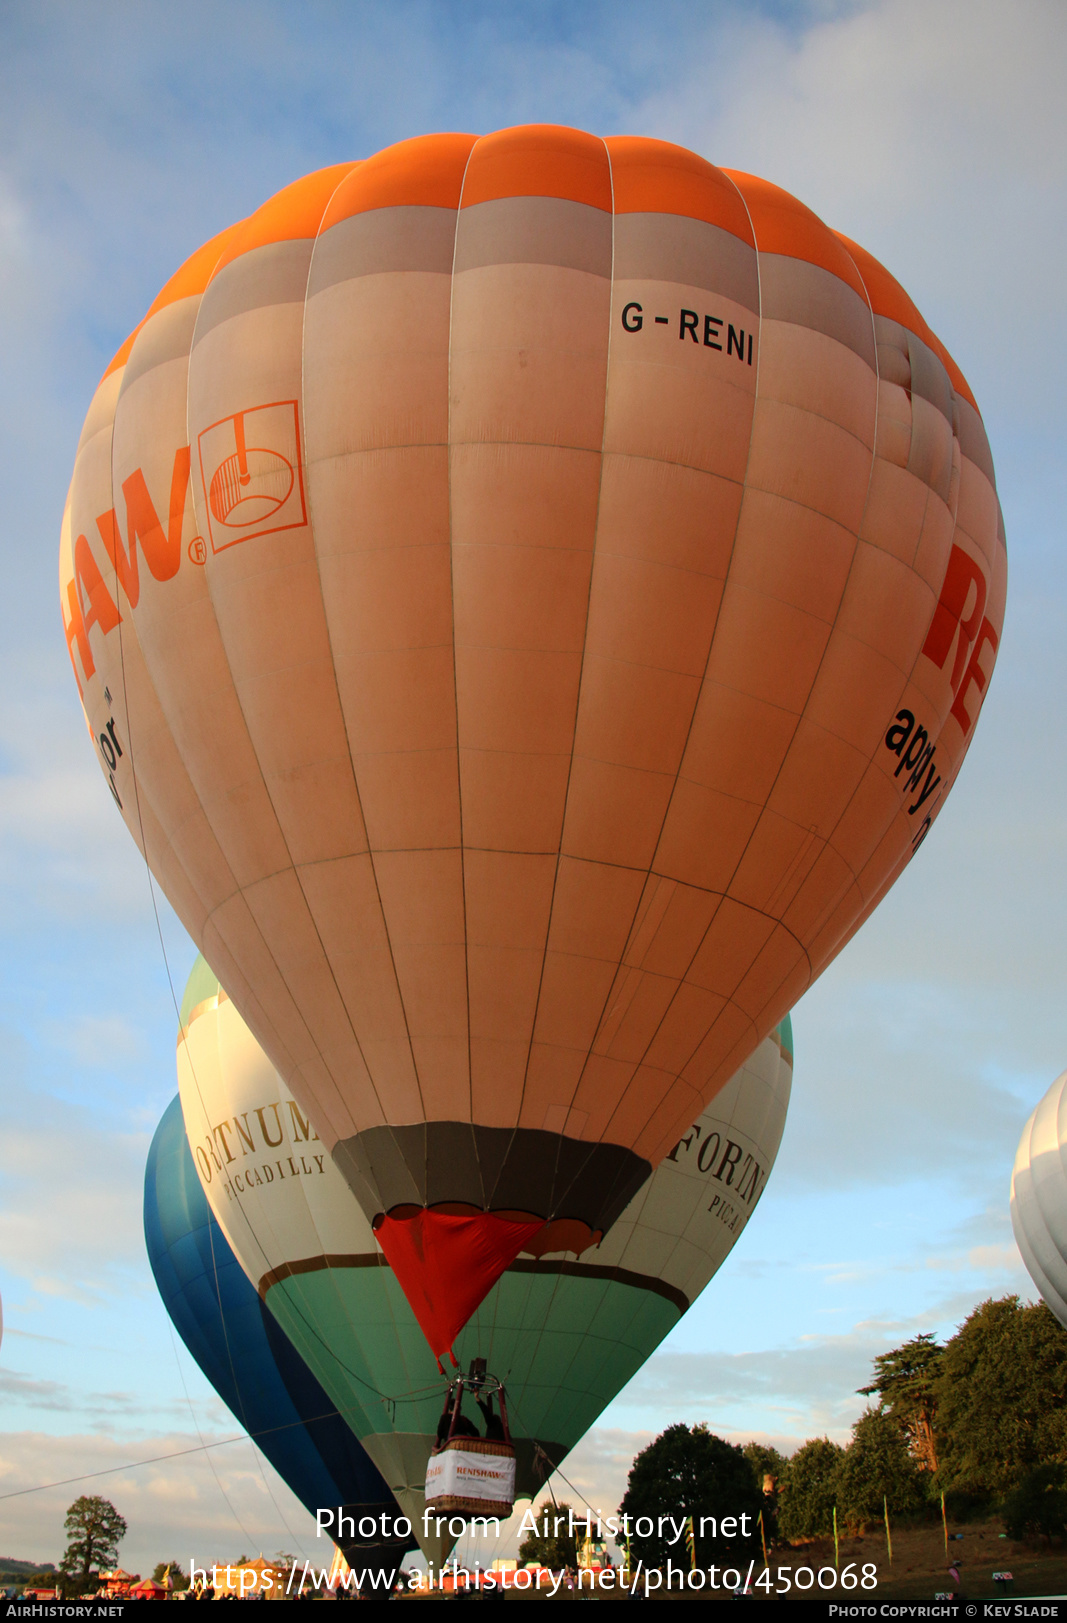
pixel 981 1419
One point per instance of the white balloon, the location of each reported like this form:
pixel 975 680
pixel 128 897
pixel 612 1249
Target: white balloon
pixel 1039 1198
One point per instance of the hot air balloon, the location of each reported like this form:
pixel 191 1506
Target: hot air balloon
pixel 251 1363
pixel 531 596
pixel 1039 1198
pixel 565 1336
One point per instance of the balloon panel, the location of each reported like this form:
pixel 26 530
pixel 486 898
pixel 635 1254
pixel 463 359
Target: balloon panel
pixel 547 588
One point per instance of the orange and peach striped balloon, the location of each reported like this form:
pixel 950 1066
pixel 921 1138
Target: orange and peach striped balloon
pixel 530 596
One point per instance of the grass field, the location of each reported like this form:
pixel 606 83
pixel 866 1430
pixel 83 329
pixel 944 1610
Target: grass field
pixel 920 1566
pixel 918 1571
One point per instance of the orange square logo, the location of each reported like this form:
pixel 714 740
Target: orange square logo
pixel 251 474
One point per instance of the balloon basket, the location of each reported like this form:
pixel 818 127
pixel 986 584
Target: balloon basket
pixel 472 1475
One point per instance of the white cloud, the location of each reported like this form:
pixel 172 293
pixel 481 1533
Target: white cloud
pixel 992 1259
pixel 892 1080
pixel 800 1391
pixel 64 850
pixel 189 1504
pixel 110 1409
pixel 70 1216
pixel 14 227
pixel 808 1385
pixel 101 1040
pixel 932 130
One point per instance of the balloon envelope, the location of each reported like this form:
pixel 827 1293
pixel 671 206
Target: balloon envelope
pixel 531 596
pixel 246 1356
pixel 1039 1197
pixel 565 1336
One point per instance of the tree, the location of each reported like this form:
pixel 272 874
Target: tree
pixel 1001 1397
pixel 554 1545
pixel 905 1382
pixel 770 1470
pixel 878 1470
pixel 769 1466
pixel 1039 1504
pixel 176 1572
pixel 691 1472
pixel 94 1532
pixel 809 1492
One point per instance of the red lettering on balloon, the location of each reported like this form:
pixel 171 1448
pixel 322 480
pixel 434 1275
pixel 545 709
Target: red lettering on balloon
pixel 974 674
pixel 962 573
pixel 162 553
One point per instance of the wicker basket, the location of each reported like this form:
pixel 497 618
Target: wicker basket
pixel 456 1460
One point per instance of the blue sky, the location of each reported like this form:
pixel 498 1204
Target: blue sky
pixel 129 133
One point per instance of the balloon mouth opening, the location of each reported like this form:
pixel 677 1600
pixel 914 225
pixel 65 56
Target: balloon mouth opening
pixel 555 1235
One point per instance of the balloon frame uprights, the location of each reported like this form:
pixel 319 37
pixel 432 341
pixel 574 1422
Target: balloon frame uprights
pixel 500 1453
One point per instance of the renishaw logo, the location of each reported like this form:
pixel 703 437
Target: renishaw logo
pixel 250 470
pixel 253 485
